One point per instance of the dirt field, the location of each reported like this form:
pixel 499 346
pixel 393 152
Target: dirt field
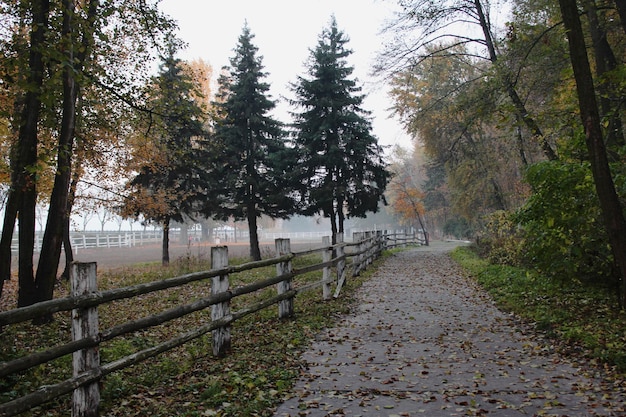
pixel 112 258
pixel 115 257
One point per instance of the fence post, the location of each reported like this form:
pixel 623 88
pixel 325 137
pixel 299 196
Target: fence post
pixel 285 307
pixel 384 239
pixel 85 399
pixel 341 265
pixel 366 250
pixel 219 284
pixel 356 261
pixel 326 257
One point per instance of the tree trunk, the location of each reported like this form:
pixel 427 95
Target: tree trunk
pixel 255 251
pixel 23 191
pixel 165 248
pixel 520 144
pixel 57 211
pixel 48 265
pixel 340 218
pixel 10 216
pixel 605 61
pixel 26 223
pixel 614 221
pixel 423 227
pixel 67 247
pixel 206 231
pixel 67 241
pixel 519 105
pixel 12 204
pixel 415 206
pixel 333 225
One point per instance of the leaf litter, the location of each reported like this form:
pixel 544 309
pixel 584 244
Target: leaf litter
pixel 427 340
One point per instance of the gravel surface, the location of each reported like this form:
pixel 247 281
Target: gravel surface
pixel 427 341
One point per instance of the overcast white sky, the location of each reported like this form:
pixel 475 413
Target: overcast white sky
pixel 285 31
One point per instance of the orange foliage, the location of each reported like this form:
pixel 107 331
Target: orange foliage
pixel 406 199
pixel 201 74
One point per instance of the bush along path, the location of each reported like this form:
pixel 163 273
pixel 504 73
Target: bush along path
pixel 426 340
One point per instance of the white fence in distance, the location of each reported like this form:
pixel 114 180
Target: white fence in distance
pixel 88 240
pixel 126 239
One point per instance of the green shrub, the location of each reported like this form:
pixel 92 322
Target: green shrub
pixel 564 236
pixel 501 240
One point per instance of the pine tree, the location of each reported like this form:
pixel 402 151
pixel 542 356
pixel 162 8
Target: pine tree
pixel 172 178
pixel 342 171
pixel 256 160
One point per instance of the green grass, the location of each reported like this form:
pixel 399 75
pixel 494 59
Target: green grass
pixel 188 381
pixel 580 319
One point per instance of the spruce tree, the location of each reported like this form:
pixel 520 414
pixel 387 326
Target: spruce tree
pixel 341 167
pixel 256 160
pixel 172 178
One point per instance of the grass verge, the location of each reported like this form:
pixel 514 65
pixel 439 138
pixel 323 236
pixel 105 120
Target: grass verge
pixel 580 320
pixel 251 380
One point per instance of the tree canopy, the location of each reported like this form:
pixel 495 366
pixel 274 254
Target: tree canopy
pixel 56 54
pixel 172 163
pixel 256 162
pixel 500 109
pixel 341 167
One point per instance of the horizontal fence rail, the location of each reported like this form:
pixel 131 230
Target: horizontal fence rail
pixel 89 240
pixel 85 299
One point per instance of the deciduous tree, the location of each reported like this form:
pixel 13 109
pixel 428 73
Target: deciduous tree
pixel 462 24
pixel 72 47
pixel 406 194
pixel 443 102
pixel 612 210
pixel 76 48
pixel 22 195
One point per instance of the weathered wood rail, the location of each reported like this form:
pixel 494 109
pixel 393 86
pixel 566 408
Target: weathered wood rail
pixel 85 299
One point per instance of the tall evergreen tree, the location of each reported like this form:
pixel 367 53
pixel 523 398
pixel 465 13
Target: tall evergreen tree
pixel 342 171
pixel 172 179
pixel 256 160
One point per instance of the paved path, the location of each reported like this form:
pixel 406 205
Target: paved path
pixel 427 341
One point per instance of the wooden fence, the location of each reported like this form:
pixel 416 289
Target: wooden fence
pixel 85 299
